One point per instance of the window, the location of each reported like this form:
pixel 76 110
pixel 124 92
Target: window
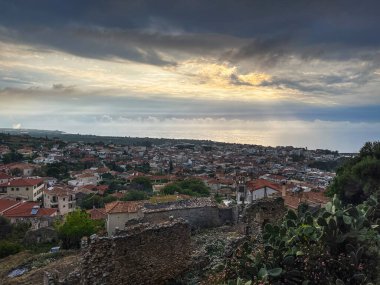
pixel 64 199
pixel 17 189
pixel 13 189
pixel 27 188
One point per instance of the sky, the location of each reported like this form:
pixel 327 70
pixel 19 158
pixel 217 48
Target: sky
pixel 301 73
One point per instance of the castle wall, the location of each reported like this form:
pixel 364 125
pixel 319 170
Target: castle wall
pixel 153 254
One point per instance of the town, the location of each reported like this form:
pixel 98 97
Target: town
pixel 209 185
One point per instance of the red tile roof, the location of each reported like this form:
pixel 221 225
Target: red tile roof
pixel 6 204
pixel 100 188
pixel 293 200
pixel 261 183
pixel 97 214
pixel 4 176
pixel 24 210
pixel 123 207
pixel 118 195
pixel 23 182
pixel 19 165
pixel 59 191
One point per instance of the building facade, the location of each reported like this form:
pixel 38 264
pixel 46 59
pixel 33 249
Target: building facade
pixel 29 189
pixel 60 198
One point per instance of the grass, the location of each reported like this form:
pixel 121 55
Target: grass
pixel 167 198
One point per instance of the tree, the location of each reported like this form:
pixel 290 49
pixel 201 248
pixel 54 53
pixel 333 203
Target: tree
pixel 134 195
pixel 16 172
pixel 359 177
pixel 170 189
pixel 142 183
pixel 76 225
pixel 5 227
pixel 191 187
pixel 59 170
pixel 92 200
pixel 171 168
pixel 145 167
pixel 12 156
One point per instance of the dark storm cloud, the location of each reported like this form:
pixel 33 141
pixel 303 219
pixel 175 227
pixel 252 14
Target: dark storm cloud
pixel 267 31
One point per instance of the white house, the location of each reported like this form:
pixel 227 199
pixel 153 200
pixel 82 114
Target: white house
pixel 257 189
pixel 60 198
pixel 26 188
pixel 119 212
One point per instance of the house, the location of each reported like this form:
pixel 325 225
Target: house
pixel 258 189
pixel 4 178
pixel 26 152
pixel 85 179
pixel 119 212
pixel 60 198
pixel 100 189
pixel 24 188
pixel 25 169
pixel 28 211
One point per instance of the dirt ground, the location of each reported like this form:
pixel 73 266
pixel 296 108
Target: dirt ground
pixel 62 265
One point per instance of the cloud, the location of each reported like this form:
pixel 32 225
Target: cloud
pixel 16 126
pixel 62 87
pixel 212 72
pixel 267 32
pixel 53 103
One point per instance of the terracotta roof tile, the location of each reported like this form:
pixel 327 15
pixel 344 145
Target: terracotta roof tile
pixel 23 182
pixel 4 176
pixel 261 183
pixel 6 204
pixel 97 214
pixel 24 210
pixel 59 191
pixel 123 207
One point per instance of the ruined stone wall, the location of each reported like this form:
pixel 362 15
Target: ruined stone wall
pixel 202 217
pixel 260 212
pixel 146 254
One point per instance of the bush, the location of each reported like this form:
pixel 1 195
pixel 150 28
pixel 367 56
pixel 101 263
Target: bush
pixel 191 187
pixel 336 245
pixel 77 225
pixel 8 248
pixel 142 184
pixel 5 227
pixel 134 195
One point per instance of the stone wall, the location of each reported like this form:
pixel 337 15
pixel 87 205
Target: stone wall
pixel 42 235
pixel 143 254
pixel 203 217
pixel 260 212
pixel 198 212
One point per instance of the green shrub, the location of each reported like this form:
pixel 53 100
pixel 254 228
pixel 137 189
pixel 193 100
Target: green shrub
pixel 8 248
pixel 76 225
pixel 191 187
pixel 135 195
pixel 336 245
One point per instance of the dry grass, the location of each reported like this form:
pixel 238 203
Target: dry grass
pixel 62 266
pixel 167 198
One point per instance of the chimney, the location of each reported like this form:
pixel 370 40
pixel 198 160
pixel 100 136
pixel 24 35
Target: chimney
pixel 283 190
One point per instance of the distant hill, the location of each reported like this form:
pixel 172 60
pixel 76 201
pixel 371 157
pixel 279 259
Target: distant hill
pixel 104 139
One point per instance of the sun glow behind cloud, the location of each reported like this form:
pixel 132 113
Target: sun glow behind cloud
pixel 249 73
